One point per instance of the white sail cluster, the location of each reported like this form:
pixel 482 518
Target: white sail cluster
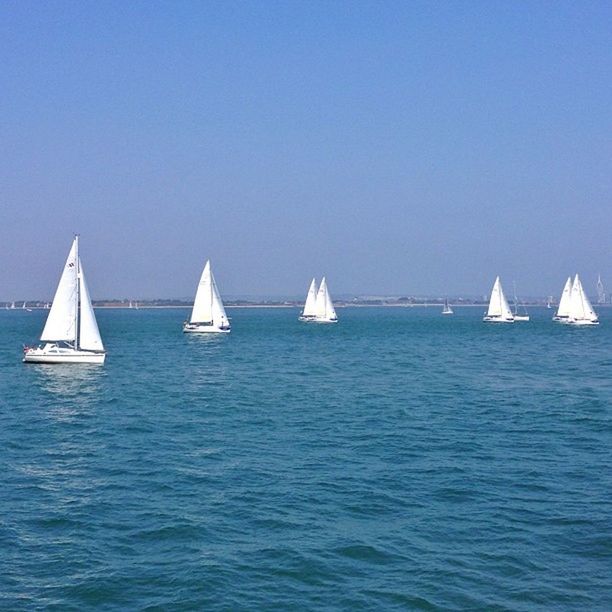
pixel 319 307
pixel 574 305
pixel 208 314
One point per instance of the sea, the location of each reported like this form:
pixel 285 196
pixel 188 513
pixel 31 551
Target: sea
pixel 399 460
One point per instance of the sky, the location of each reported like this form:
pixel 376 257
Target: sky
pixel 400 148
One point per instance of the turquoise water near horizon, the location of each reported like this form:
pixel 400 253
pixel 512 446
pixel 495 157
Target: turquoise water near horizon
pixel 397 460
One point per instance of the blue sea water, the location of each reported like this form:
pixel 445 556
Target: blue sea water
pixel 398 460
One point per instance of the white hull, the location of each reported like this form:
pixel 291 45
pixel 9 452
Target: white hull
pixel 521 317
pixel 191 328
pixel 62 355
pixel 581 322
pixel 447 312
pixel 497 320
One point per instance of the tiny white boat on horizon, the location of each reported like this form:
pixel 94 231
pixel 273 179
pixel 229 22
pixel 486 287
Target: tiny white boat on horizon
pixel 208 314
pixel 71 333
pixel 499 309
pixel 447 310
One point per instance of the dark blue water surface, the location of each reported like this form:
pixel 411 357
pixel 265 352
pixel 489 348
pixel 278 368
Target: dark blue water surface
pixel 397 460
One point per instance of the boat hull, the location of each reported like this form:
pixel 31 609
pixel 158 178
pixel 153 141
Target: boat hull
pixel 497 320
pixel 581 322
pixel 204 329
pixel 521 317
pixel 64 356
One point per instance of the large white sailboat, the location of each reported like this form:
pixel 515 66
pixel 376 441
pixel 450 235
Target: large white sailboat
pixel 563 310
pixel 71 332
pixel 580 310
pixel 309 312
pixel 319 307
pixel 208 314
pixel 499 309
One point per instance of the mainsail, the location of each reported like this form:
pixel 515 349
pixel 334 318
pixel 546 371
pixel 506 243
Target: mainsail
pixel 61 323
pixel 563 309
pixel 311 300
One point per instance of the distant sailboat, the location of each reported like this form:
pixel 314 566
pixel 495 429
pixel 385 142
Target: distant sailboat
pixel 580 310
pixel 524 316
pixel 208 314
pixel 447 310
pixel 499 310
pixel 549 302
pixel 12 305
pixel 71 332
pixel 563 310
pixel 324 308
pixel 309 312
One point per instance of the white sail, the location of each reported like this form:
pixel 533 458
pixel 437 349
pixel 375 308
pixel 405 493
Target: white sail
pixel 324 308
pixel 330 311
pixel 563 309
pixel 202 306
pixel 311 300
pixel 580 306
pixel 219 318
pixel 498 304
pixel 89 334
pixel 61 323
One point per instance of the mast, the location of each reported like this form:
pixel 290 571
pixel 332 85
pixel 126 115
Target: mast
pixel 77 293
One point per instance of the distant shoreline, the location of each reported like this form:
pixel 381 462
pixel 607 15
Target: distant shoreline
pixel 289 306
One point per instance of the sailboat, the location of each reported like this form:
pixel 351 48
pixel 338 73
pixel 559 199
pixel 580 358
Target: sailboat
pixel 309 312
pixel 208 314
pixel 447 310
pixel 71 332
pixel 499 310
pixel 563 309
pixel 324 308
pixel 580 310
pixel 519 316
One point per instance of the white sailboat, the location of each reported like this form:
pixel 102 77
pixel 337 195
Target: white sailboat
pixel 208 314
pixel 563 309
pixel 580 310
pixel 447 310
pixel 524 316
pixel 499 309
pixel 324 307
pixel 309 312
pixel 71 332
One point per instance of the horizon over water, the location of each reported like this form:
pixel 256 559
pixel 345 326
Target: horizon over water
pixel 397 460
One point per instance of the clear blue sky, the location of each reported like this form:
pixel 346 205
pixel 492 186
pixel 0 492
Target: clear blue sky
pixel 398 147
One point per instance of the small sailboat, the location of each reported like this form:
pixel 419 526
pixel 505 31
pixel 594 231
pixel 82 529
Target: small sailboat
pixel 309 312
pixel 524 316
pixel 499 309
pixel 324 307
pixel 12 305
pixel 580 310
pixel 563 309
pixel 208 314
pixel 447 310
pixel 549 302
pixel 71 332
